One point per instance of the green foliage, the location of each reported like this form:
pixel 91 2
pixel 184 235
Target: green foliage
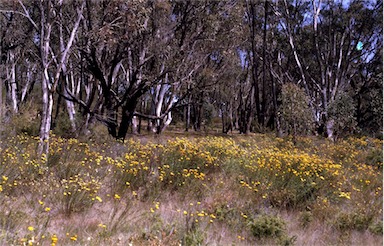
pixel 62 125
pixel 370 101
pixel 208 113
pixel 376 228
pixel 194 237
pixel 26 121
pixel 230 215
pixel 357 220
pixel 268 226
pixel 294 110
pixel 305 218
pixel 375 158
pixel 342 112
pixel 287 240
pixel 225 213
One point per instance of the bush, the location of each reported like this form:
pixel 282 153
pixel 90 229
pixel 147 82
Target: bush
pixel 341 111
pixel 294 110
pixel 353 221
pixel 375 158
pixel 305 218
pixel 26 122
pixel 376 228
pixel 267 226
pixel 194 237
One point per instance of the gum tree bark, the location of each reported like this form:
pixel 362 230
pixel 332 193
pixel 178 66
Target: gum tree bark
pixel 48 18
pixel 11 83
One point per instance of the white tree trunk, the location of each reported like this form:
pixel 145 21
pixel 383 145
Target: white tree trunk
pixel 71 111
pixel 12 86
pixel 188 114
pixel 167 121
pixel 330 129
pixel 47 19
pixel 46 114
pixel 28 82
pixel 135 125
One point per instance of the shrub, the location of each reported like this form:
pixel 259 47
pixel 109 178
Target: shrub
pixel 294 110
pixel 267 226
pixel 305 218
pixel 353 221
pixel 271 227
pixel 376 228
pixel 375 158
pixel 341 111
pixel 26 122
pixel 194 237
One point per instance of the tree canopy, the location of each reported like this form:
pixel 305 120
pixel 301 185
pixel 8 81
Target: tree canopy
pixel 123 63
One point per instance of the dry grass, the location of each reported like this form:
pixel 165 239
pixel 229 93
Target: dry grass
pixel 197 190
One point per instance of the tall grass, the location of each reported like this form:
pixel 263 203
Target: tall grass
pixel 194 191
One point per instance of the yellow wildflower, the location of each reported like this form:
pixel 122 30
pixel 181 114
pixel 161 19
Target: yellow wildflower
pixel 345 194
pixel 102 225
pixel 54 239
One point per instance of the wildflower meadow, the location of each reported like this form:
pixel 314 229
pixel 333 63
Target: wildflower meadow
pixel 196 190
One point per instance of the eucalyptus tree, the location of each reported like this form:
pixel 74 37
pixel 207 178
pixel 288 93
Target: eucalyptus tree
pixel 145 47
pixel 119 51
pixel 257 111
pixel 119 62
pixel 44 18
pixel 323 37
pixel 367 64
pixel 13 50
pixel 294 111
pixel 201 37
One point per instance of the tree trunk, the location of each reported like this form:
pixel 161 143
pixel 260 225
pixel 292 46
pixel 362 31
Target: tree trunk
pixel 135 125
pixel 276 112
pixel 27 89
pixel 127 116
pixel 263 97
pixel 46 114
pixel 249 114
pixel 330 129
pixel 223 119
pixel 188 114
pixel 70 106
pixel 12 84
pixel 255 64
pixel 71 111
pixel 1 98
pixel 230 127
